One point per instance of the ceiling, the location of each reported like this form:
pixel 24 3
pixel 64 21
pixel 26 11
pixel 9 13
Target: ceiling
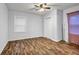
pixel 29 7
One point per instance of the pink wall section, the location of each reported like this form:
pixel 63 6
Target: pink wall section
pixel 73 19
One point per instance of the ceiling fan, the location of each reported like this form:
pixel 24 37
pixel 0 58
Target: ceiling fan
pixel 42 6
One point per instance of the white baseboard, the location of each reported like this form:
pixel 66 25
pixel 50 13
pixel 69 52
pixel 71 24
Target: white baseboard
pixel 3 47
pixel 24 38
pixel 56 40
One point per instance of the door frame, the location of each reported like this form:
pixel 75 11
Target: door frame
pixel 68 18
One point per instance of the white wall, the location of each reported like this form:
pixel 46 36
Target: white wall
pixel 65 20
pixel 50 25
pixel 53 25
pixel 3 26
pixel 60 24
pixel 33 26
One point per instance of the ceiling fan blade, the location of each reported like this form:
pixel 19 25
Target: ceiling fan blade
pixel 45 3
pixel 36 5
pixel 47 8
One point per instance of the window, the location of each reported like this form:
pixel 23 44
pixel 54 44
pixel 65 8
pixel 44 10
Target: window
pixel 19 24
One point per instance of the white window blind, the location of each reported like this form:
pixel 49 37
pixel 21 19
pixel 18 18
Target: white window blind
pixel 19 24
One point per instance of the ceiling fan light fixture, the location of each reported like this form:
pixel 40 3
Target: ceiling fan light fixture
pixel 41 9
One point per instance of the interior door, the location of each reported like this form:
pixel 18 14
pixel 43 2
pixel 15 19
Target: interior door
pixel 73 26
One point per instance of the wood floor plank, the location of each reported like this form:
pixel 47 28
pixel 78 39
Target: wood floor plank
pixel 39 46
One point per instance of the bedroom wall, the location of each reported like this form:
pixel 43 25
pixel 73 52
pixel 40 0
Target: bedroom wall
pixel 60 24
pixel 65 20
pixel 33 26
pixel 53 25
pixel 3 26
pixel 50 25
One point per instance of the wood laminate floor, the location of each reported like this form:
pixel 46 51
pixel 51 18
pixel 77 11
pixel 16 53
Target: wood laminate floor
pixel 39 46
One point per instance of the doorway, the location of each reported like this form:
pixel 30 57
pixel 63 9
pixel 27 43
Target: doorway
pixel 73 27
